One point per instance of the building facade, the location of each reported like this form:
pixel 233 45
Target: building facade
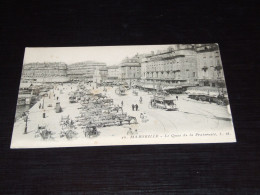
pixel 188 65
pixel 83 70
pixel 113 73
pixel 170 66
pixel 45 72
pixel 130 69
pixel 210 70
pixel 100 75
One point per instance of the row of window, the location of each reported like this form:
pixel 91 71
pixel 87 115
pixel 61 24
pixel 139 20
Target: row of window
pixel 168 74
pixel 210 56
pixel 43 75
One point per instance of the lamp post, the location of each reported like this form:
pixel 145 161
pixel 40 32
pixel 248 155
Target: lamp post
pixel 26 121
pixel 43 102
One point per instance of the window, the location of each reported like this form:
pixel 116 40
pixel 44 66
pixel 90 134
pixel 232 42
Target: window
pixel 206 83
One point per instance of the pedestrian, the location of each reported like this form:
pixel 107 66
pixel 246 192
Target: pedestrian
pixel 133 107
pixel 122 103
pixel 39 105
pixel 136 107
pixel 176 97
pixel 141 116
pixel 57 98
pixel 129 132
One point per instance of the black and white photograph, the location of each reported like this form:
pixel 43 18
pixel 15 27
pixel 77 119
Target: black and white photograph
pixel 129 97
pixel 122 95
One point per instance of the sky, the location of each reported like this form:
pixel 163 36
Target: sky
pixel 111 55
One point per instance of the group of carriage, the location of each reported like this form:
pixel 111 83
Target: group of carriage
pixel 218 99
pixel 78 95
pixel 98 111
pixel 105 116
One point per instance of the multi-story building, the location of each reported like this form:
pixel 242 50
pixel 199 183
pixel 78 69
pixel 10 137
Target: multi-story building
pixel 113 73
pixel 130 69
pixel 83 70
pixel 100 75
pixel 209 68
pixel 45 72
pixel 185 65
pixel 170 66
pixel 103 73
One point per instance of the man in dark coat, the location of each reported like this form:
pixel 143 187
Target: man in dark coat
pixel 136 107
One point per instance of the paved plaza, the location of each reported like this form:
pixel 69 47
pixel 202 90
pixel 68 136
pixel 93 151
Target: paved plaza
pixel 196 115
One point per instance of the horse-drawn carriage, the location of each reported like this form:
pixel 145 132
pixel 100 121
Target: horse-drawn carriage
pixel 135 92
pixel 69 134
pixel 68 127
pixel 91 131
pixel 124 119
pixel 43 132
pixel 120 90
pixel 72 99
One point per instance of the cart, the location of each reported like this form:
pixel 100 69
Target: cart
pixel 91 131
pixel 120 91
pixel 43 132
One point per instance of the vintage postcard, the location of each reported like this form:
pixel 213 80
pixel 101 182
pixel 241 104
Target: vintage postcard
pixel 122 95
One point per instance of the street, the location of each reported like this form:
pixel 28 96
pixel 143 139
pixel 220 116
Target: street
pixel 192 115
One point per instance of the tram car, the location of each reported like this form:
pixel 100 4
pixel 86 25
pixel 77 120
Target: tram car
pixel 167 103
